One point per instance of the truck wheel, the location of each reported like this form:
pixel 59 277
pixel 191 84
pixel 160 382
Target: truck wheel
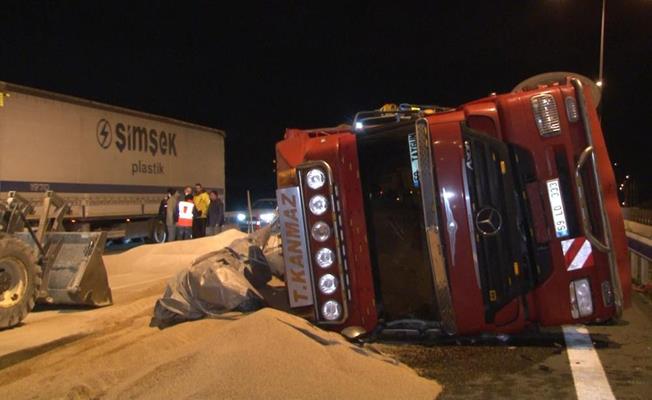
pixel 20 279
pixel 159 233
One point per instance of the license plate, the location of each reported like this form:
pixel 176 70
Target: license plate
pixel 414 158
pixel 295 248
pixel 557 208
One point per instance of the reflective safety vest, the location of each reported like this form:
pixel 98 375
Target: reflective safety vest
pixel 185 213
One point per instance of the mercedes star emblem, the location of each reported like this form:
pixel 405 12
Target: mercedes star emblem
pixel 488 221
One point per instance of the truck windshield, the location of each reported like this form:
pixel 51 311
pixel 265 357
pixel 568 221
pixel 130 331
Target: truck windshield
pixel 402 275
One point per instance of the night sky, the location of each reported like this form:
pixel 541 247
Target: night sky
pixel 254 69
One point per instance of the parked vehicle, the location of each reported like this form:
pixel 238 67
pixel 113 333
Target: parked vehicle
pixel 113 165
pixel 491 217
pixel 263 212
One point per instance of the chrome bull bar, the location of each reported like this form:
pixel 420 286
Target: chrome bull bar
pixel 431 221
pixel 606 244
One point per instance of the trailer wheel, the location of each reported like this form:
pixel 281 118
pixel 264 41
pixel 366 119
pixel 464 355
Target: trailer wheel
pixel 20 279
pixel 159 233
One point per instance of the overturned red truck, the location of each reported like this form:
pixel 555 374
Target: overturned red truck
pixel 495 216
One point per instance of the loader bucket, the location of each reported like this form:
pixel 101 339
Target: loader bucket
pixel 73 269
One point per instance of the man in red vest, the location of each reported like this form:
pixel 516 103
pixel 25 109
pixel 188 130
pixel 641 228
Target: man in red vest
pixel 184 215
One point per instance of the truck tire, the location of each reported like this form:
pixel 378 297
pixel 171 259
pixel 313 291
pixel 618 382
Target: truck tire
pixel 159 233
pixel 20 279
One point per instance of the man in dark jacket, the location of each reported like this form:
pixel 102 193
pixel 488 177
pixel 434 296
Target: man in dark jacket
pixel 215 214
pixel 166 211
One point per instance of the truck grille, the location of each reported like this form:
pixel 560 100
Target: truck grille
pixel 497 219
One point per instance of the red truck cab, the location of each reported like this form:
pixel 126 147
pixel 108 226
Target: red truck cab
pixel 491 217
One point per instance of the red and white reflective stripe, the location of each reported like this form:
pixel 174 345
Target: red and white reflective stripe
pixel 185 213
pixel 577 253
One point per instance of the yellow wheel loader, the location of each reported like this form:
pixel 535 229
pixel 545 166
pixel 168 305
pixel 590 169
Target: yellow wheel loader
pixel 45 264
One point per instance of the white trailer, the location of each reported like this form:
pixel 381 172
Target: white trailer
pixel 113 165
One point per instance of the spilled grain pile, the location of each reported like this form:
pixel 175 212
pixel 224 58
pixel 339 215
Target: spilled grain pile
pixel 268 354
pixel 265 355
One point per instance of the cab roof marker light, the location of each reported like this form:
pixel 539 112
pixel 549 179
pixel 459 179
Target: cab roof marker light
pixel 571 109
pixel 331 310
pixel 546 115
pixel 315 179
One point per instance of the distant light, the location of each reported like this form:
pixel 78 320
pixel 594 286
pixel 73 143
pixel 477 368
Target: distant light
pixel 615 164
pixel 626 176
pixel 73 221
pixel 598 83
pixel 359 126
pixel 268 217
pixel 241 217
pixel 623 203
pixel 128 220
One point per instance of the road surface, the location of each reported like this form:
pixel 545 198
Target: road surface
pixel 528 367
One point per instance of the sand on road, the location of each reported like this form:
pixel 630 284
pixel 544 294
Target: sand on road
pixel 113 353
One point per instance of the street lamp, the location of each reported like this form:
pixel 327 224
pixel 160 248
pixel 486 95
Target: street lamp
pixel 601 70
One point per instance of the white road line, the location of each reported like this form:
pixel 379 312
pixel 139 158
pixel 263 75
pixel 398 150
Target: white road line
pixel 589 376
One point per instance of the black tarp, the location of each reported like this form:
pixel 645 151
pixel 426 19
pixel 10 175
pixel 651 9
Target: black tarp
pixel 218 282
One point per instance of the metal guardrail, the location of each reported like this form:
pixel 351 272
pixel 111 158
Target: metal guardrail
pixel 640 215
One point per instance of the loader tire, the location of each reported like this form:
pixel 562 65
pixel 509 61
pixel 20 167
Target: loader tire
pixel 20 280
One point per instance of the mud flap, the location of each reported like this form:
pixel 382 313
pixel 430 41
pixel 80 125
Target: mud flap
pixel 73 269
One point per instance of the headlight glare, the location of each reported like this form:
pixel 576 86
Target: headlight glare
pixel 315 179
pixel 241 217
pixel 328 284
pixel 267 217
pixel 331 310
pixel 318 204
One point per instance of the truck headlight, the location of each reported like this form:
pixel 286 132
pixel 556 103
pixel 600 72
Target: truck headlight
pixel 328 284
pixel 267 217
pixel 318 204
pixel 580 296
pixel 331 310
pixel 546 115
pixel 315 178
pixel 241 217
pixel 325 257
pixel 320 231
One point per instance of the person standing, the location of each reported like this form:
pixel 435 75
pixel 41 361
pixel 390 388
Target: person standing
pixel 170 207
pixel 215 214
pixel 184 215
pixel 201 201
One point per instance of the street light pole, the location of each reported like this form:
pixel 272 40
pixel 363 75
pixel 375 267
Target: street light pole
pixel 600 72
